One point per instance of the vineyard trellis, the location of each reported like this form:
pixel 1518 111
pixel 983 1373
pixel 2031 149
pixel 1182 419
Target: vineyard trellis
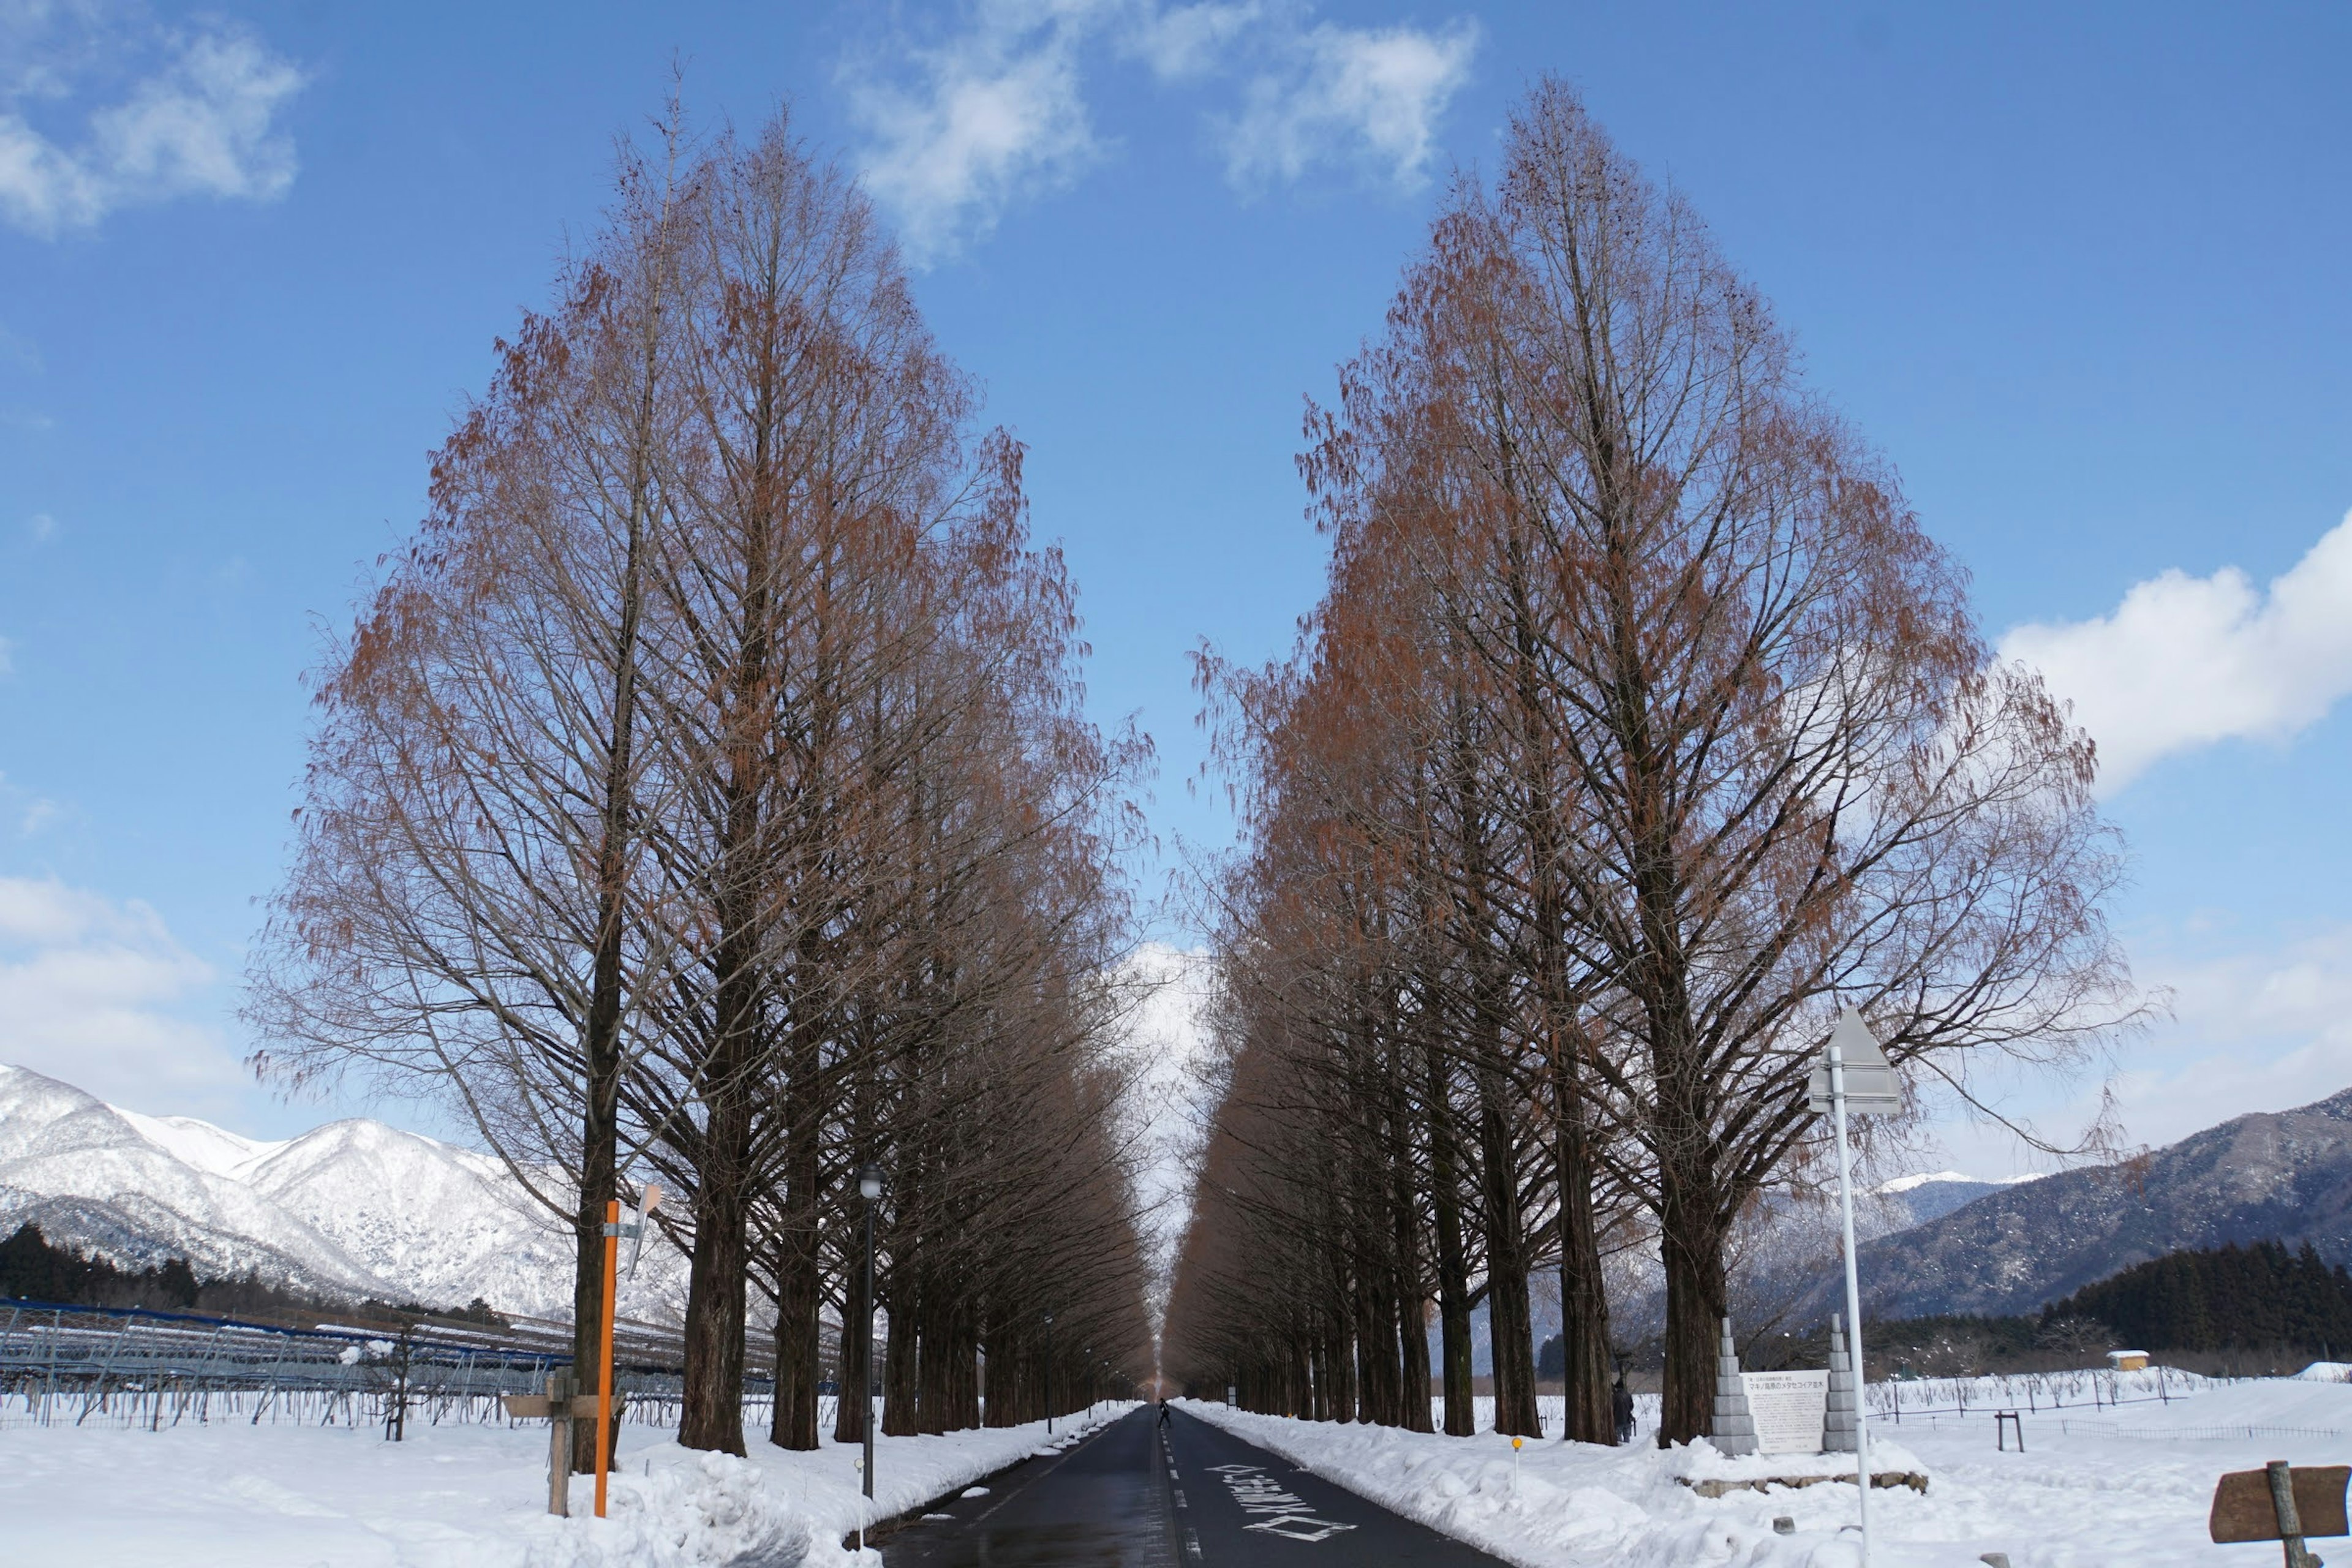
pixel 139 1367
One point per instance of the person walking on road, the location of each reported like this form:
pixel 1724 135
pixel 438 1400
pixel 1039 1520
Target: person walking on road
pixel 1621 1403
pixel 1164 1410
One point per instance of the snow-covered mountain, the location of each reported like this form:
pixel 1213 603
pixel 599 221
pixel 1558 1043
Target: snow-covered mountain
pixel 1915 1200
pixel 354 1208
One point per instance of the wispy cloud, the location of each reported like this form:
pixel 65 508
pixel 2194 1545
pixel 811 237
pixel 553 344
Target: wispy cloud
pixel 996 111
pixel 19 352
pixel 2184 662
pixel 1184 43
pixel 1370 97
pixel 92 990
pixel 189 111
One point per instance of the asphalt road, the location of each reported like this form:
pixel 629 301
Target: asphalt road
pixel 1188 1496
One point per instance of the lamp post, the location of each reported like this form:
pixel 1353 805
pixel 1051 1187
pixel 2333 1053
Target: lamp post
pixel 1049 1375
pixel 870 1187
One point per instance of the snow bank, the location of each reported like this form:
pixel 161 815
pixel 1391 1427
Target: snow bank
pixel 2097 1487
pixel 457 1497
pixel 695 1509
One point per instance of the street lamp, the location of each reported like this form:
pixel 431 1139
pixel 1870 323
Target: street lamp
pixel 870 1187
pixel 1049 1375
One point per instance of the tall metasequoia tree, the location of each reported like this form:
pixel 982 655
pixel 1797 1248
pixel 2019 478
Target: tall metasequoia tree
pixel 459 911
pixel 709 792
pixel 1734 751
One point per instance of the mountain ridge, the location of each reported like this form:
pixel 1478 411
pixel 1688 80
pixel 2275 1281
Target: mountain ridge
pixel 2285 1175
pixel 354 1208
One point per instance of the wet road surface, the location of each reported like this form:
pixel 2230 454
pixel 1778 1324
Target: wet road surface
pixel 1183 1496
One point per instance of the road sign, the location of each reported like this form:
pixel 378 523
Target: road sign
pixel 1870 1085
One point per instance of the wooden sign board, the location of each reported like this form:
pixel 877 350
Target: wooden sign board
pixel 539 1407
pixel 2242 1509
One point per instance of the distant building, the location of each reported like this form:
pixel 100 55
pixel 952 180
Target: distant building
pixel 2127 1361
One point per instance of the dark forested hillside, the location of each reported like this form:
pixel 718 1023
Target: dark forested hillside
pixel 2217 1298
pixel 33 1269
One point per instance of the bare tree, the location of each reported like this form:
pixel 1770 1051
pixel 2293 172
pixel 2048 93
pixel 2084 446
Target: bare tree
pixel 1693 721
pixel 457 918
pixel 709 787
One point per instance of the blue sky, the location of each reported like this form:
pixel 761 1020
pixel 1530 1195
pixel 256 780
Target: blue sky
pixel 2080 271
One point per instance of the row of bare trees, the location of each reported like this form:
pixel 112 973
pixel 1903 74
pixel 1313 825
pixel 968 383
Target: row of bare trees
pixel 706 797
pixel 1640 728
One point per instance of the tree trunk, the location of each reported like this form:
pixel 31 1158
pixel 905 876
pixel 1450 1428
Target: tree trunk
pixel 1453 1269
pixel 1412 1301
pixel 597 1189
pixel 855 1402
pixel 1692 1236
pixel 800 1284
pixel 899 1389
pixel 793 1423
pixel 712 1401
pixel 1509 1330
pixel 1583 1293
pixel 601 1048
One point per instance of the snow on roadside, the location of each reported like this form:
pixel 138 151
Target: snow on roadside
pixel 2098 1488
pixel 457 1497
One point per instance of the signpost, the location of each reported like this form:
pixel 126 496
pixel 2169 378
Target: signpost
pixel 1789 1409
pixel 613 1231
pixel 2288 1504
pixel 1854 1079
pixel 562 1405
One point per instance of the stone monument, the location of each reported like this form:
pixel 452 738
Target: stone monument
pixel 1838 1422
pixel 1734 1427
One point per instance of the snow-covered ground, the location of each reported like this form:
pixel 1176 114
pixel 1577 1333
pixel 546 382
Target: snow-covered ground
pixel 2095 1487
pixel 454 1497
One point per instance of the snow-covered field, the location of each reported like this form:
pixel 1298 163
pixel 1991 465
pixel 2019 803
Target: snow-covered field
pixel 454 1496
pixel 2095 1487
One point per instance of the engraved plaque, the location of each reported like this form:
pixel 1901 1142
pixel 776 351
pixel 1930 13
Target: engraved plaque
pixel 1790 1409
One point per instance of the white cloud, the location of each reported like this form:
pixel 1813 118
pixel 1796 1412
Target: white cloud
pixel 41 526
pixel 2185 661
pixel 90 992
pixel 998 112
pixel 1166 1113
pixel 2269 1029
pixel 1365 95
pixel 1185 42
pixel 199 116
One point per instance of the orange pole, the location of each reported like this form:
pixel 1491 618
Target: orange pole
pixel 604 1380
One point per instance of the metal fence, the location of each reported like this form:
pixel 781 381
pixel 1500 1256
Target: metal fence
pixel 2190 1434
pixel 133 1366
